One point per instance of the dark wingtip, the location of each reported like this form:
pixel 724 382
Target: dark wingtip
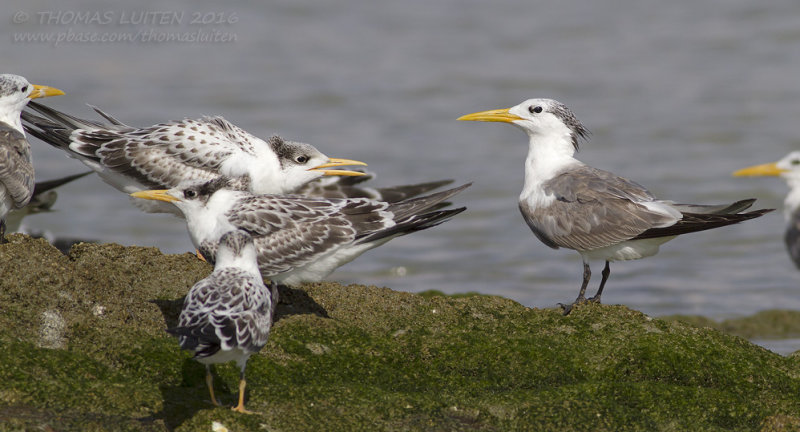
pixel 744 204
pixel 757 213
pixel 44 186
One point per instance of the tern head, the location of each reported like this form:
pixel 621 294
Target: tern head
pixel 203 204
pixel 537 117
pixel 15 93
pixel 787 168
pixel 301 163
pixel 191 196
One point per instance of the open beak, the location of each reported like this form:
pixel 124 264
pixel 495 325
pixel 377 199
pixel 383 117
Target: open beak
pixel 498 115
pixel 768 169
pixel 40 91
pixel 160 195
pixel 336 162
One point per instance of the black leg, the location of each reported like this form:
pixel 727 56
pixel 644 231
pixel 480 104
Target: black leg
pixel 605 273
pixel 2 231
pixel 587 274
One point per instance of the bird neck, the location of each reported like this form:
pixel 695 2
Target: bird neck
pixel 265 181
pixel 208 222
pixel 10 116
pixel 245 260
pixel 547 156
pixel 792 202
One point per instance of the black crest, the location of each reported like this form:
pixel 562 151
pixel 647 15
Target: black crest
pixel 565 115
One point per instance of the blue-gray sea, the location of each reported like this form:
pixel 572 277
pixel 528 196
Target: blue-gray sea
pixel 677 96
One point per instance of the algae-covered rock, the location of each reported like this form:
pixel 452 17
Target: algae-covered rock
pixel 769 324
pixel 347 358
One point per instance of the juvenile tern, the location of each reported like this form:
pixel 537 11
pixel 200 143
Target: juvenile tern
pixel 167 154
pixel 299 239
pixel 227 316
pixel 16 168
pixel 567 203
pixel 788 169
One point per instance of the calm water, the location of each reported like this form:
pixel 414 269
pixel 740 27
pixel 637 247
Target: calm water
pixel 677 97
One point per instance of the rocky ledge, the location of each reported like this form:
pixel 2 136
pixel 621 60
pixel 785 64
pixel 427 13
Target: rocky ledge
pixel 83 347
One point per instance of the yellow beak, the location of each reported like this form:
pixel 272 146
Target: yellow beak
pixel 160 195
pixel 498 115
pixel 768 169
pixel 336 162
pixel 40 91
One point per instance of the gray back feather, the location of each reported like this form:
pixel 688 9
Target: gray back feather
pixel 16 169
pixel 593 209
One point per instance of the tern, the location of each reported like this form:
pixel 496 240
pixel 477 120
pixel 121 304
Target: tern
pixel 788 169
pixel 227 316
pixel 602 216
pixel 16 167
pixel 167 154
pixel 299 239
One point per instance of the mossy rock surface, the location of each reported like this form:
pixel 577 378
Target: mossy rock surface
pixel 768 324
pixel 84 348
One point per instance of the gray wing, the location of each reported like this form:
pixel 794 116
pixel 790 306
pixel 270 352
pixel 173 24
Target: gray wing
pixel 402 192
pixel 16 169
pixel 228 309
pixel 290 232
pixel 163 155
pixel 792 238
pixel 715 209
pixel 592 209
pixel 159 156
pixel 337 187
pixel 351 187
pixel 693 222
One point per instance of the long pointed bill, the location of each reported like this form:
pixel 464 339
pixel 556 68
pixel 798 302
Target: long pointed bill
pixel 336 162
pixel 40 91
pixel 768 169
pixel 159 195
pixel 498 115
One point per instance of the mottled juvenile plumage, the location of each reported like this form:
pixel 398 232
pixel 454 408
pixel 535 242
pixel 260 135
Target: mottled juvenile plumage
pixel 227 316
pixel 167 154
pixel 300 239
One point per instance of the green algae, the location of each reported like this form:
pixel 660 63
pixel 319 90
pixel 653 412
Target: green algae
pixel 349 358
pixel 769 324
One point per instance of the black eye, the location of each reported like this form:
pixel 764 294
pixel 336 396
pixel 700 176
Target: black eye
pixel 25 89
pixel 795 161
pixel 535 109
pixel 189 193
pixel 301 159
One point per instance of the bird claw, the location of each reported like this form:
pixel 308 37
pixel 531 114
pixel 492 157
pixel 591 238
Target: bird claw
pixel 241 409
pixel 567 308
